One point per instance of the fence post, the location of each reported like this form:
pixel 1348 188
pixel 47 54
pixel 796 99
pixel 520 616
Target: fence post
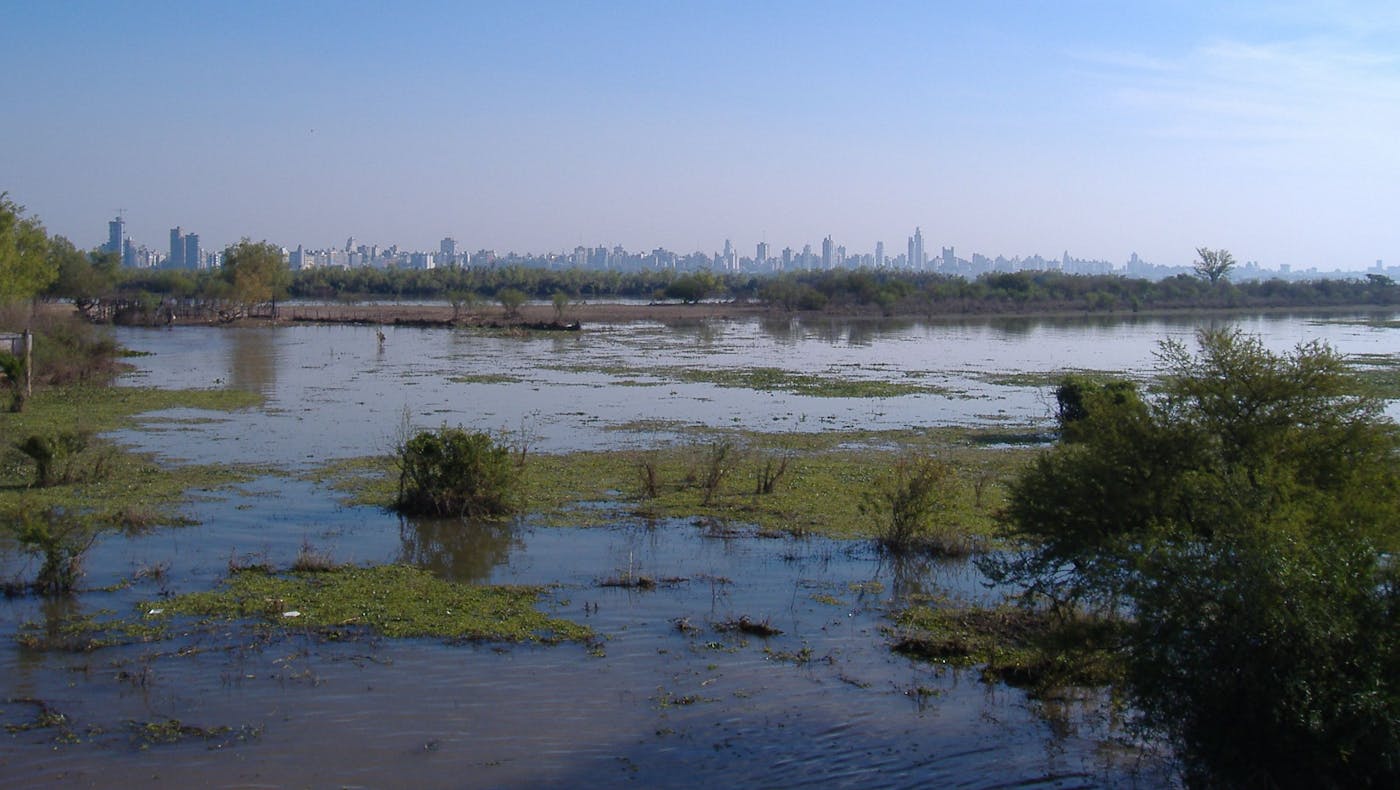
pixel 28 364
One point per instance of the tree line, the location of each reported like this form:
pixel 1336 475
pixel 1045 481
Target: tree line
pixel 255 274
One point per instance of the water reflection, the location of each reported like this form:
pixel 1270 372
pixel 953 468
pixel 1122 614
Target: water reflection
pixel 786 330
pixel 704 334
pixel 463 550
pixel 252 360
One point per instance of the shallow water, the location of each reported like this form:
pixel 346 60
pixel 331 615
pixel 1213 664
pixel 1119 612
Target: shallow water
pixel 823 703
pixel 335 391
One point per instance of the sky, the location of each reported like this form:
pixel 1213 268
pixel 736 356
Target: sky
pixel 1271 129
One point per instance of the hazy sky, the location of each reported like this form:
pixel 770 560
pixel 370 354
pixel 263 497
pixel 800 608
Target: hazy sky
pixel 1102 128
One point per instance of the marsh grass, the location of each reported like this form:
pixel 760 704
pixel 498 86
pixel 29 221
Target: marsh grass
pixel 313 560
pixel 395 601
pixel 821 490
pixel 832 383
pixel 83 632
pixel 747 625
pixel 145 734
pixel 102 482
pixel 1035 649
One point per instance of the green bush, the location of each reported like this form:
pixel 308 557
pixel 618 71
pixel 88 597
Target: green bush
pixel 1244 517
pixel 451 472
pixel 60 539
pixel 55 457
pixel 913 505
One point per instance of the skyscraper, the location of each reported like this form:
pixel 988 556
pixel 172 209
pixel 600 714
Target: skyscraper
pixel 116 235
pixel 917 260
pixel 828 253
pixel 177 249
pixel 192 257
pixel 879 254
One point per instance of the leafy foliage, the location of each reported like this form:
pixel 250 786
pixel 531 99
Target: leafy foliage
pixel 451 472
pixel 1212 265
pixel 83 277
pixel 25 269
pixel 53 456
pixel 12 376
pixel 511 300
pixel 1243 518
pixel 912 505
pixel 59 539
pixel 691 288
pixel 254 273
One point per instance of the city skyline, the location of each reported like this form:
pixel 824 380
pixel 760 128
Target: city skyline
pixel 186 247
pixel 1020 130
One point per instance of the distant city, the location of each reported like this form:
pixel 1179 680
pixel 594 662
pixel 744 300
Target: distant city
pixel 184 252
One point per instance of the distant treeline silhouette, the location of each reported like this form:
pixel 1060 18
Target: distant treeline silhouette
pixel 860 291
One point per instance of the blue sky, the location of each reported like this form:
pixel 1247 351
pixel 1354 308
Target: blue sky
pixel 1101 128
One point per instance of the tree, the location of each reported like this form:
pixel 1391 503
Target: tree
pixel 511 301
pixel 462 300
pixel 255 273
pixel 561 304
pixel 1213 264
pixel 691 288
pixel 83 277
pixel 1242 520
pixel 25 269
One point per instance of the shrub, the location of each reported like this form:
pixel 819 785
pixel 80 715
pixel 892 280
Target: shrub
pixel 913 504
pixel 12 375
pixel 61 540
pixel 1243 515
pixel 69 350
pixel 452 472
pixel 717 465
pixel 55 456
pixel 769 474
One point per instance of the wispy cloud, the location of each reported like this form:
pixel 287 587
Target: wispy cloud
pixel 1317 93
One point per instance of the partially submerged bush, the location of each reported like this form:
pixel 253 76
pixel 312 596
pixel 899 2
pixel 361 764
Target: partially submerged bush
pixel 60 539
pixel 451 472
pixel 1243 513
pixel 913 506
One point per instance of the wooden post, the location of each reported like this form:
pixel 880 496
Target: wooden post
pixel 28 364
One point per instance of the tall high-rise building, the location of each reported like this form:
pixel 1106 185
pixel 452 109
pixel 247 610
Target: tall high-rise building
pixel 448 249
pixel 828 253
pixel 761 256
pixel 879 254
pixel 917 259
pixel 116 235
pixel 177 249
pixel 192 258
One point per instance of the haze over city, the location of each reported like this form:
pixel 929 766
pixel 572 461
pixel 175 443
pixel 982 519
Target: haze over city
pixel 1094 128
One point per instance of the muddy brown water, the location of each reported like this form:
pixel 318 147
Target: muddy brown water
pixel 824 702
